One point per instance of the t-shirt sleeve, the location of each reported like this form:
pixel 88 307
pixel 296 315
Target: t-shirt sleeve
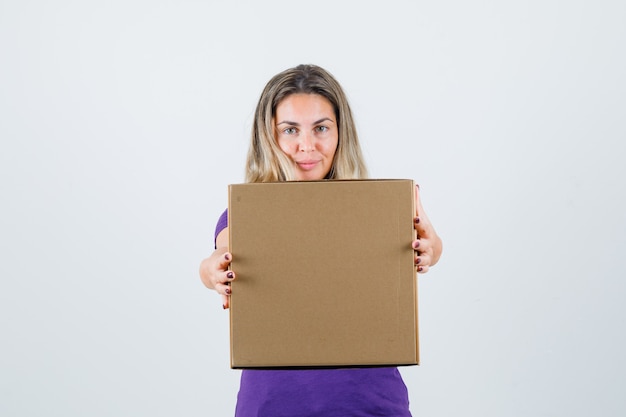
pixel 222 223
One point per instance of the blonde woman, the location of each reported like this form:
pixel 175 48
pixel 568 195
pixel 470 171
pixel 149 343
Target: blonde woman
pixel 303 130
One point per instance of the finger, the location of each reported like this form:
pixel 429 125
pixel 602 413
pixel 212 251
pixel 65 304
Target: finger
pixel 229 276
pixel 223 278
pixel 421 222
pixel 422 269
pixel 422 259
pixel 422 246
pixel 225 302
pixel 223 283
pixel 416 219
pixel 418 202
pixel 225 260
pixel 420 213
pixel 223 289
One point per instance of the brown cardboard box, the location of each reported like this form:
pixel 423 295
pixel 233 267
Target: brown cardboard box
pixel 325 274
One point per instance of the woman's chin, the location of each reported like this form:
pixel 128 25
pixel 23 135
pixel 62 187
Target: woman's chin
pixel 309 176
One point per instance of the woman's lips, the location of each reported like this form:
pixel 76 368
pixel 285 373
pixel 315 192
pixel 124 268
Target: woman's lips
pixel 307 165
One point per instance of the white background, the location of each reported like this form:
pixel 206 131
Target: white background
pixel 123 122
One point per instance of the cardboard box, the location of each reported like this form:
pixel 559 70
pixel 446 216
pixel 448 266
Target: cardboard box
pixel 325 274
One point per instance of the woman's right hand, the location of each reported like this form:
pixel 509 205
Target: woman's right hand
pixel 214 271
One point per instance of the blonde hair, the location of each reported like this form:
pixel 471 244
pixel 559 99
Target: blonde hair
pixel 267 162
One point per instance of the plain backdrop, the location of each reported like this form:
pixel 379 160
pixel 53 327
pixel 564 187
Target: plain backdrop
pixel 123 122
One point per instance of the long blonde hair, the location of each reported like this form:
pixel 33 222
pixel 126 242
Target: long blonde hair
pixel 267 162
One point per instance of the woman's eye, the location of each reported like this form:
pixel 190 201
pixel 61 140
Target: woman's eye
pixel 289 130
pixel 322 129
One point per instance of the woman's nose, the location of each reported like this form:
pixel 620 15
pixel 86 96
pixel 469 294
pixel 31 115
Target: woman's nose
pixel 306 143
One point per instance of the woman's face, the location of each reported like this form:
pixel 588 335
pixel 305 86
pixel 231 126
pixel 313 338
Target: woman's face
pixel 307 132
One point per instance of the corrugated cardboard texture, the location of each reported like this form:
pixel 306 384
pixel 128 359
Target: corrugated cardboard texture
pixel 325 274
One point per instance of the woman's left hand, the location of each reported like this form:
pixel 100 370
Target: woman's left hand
pixel 428 245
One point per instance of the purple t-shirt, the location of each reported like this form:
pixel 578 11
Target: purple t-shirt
pixel 334 392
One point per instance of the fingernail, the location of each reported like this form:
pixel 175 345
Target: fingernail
pixel 417 220
pixel 224 306
pixel 229 275
pixel 420 269
pixel 227 291
pixel 416 244
pixel 227 257
pixel 418 260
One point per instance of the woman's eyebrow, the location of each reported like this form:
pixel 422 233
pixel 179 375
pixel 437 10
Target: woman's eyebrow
pixel 288 123
pixel 323 120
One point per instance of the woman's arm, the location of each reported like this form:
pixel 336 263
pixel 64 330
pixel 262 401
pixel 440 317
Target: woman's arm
pixel 214 271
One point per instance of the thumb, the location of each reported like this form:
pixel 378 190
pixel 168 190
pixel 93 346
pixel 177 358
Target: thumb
pixel 418 203
pixel 422 223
